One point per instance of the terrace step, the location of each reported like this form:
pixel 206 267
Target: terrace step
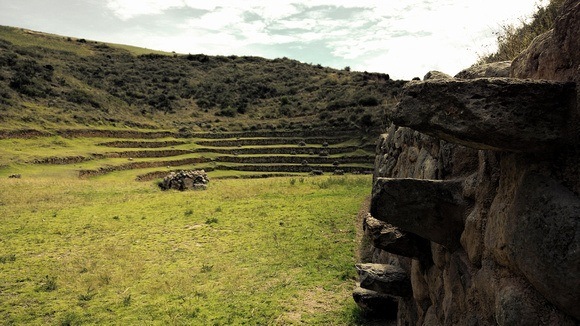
pixel 296 159
pixel 270 141
pixel 268 134
pixel 139 165
pixel 283 150
pixel 149 153
pixel 296 168
pixel 142 144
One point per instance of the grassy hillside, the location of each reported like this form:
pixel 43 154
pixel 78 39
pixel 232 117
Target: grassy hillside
pixel 47 81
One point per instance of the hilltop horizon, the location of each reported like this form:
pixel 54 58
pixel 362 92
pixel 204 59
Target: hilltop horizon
pixel 50 80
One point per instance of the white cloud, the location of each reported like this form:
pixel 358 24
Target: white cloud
pixel 397 37
pixel 126 9
pixel 221 19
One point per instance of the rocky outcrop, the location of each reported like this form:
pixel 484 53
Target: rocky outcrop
pixel 486 172
pixel 494 69
pixel 434 74
pixel 554 55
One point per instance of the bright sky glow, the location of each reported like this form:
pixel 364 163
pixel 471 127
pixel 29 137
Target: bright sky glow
pixel 402 38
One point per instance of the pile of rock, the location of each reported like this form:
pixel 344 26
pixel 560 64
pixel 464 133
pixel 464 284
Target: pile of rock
pixel 185 180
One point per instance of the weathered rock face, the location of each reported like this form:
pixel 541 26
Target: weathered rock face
pixel 477 192
pixel 489 113
pixel 554 55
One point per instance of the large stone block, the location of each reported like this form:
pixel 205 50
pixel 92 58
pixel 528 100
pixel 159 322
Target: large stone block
pixel 384 278
pixel 489 113
pixel 375 304
pixel 432 209
pixel 392 239
pixel 543 239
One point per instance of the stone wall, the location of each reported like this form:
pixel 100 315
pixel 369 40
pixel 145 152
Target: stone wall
pixel 476 192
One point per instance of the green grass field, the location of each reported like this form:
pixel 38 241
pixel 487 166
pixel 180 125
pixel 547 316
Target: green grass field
pixel 110 250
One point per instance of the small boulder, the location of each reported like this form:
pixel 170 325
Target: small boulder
pixel 434 74
pixel 494 69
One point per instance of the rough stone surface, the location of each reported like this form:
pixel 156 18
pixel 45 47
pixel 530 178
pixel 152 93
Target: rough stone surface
pixel 434 74
pixel 432 209
pixel 489 113
pixel 495 69
pixel 543 239
pixel 185 180
pixel 394 240
pixel 554 55
pixel 517 258
pixel 384 278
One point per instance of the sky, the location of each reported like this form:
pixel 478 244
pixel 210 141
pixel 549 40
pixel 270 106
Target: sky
pixel 404 38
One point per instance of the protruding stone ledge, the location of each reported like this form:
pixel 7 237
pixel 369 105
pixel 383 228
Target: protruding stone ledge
pixel 387 279
pixel 375 304
pixel 489 113
pixel 394 240
pixel 432 209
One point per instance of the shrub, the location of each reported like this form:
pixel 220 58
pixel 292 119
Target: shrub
pixel 369 101
pixel 7 258
pixel 48 284
pixel 211 220
pixel 206 268
pixel 366 120
pixel 227 112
